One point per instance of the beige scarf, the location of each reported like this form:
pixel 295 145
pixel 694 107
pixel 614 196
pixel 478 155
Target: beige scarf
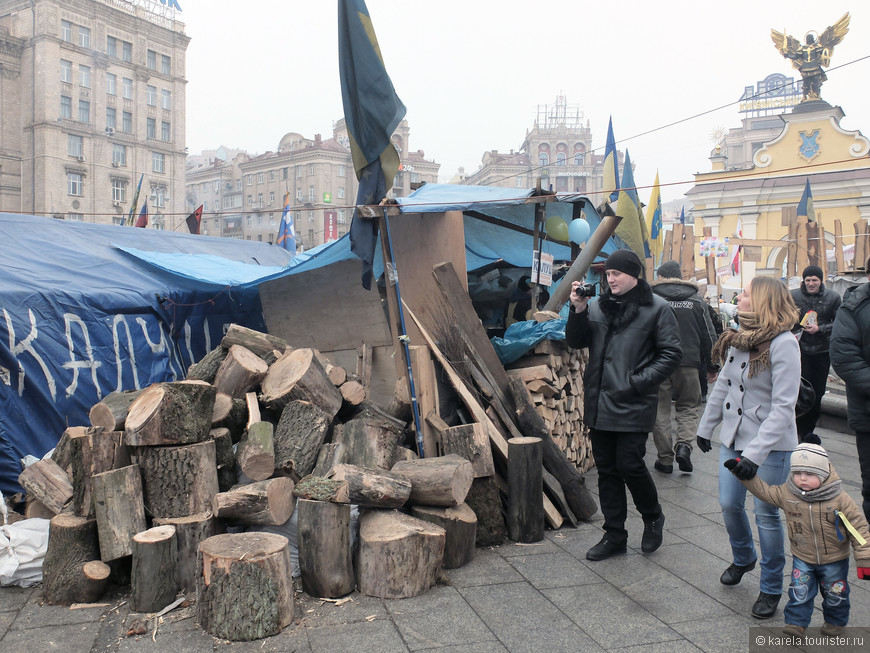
pixel 749 337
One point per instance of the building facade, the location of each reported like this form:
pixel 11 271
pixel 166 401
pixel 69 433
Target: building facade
pixel 92 94
pixel 243 196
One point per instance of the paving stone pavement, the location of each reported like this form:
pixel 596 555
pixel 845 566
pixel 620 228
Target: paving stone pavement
pixel 539 597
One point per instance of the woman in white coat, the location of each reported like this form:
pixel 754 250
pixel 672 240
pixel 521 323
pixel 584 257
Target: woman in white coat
pixel 754 401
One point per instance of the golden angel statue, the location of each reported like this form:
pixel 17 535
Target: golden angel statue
pixel 810 57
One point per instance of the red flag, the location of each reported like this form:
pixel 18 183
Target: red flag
pixel 194 219
pixel 143 216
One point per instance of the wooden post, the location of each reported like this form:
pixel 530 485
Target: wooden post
pixel 426 387
pixel 789 219
pixel 687 251
pixel 862 244
pixel 839 259
pixel 803 259
pixel 710 267
pixel 119 509
pixel 325 560
pixel 154 577
pixel 525 516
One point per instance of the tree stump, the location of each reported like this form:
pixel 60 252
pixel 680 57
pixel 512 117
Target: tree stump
pixel 399 556
pixel 119 510
pixel 241 371
pixel 111 411
pixel 441 481
pixel 154 578
pixel 460 526
pixel 256 452
pixel 299 434
pixel 245 588
pixel 189 532
pixel 370 438
pixel 72 541
pixel 179 481
pixel 299 375
pixel 170 414
pixel 45 481
pixel 325 559
pixel 260 343
pixel 375 488
pixel 206 369
pixel 265 502
pixel 525 515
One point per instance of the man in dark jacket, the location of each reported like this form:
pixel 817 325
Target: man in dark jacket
pixel 850 354
pixel 683 387
pixel 634 345
pixel 815 336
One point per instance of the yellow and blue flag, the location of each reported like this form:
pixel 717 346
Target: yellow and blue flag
pixel 654 222
pixel 135 200
pixel 805 206
pixel 286 232
pixel 372 111
pixel 143 216
pixel 611 162
pixel 631 228
pixel 682 215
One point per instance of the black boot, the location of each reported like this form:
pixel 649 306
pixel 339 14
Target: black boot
pixel 765 605
pixel 606 548
pixel 683 456
pixel 652 534
pixel 734 573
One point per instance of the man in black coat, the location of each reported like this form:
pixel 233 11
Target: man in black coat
pixel 815 337
pixel 634 345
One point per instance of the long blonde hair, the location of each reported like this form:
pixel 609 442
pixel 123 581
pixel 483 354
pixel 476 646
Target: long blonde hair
pixel 772 304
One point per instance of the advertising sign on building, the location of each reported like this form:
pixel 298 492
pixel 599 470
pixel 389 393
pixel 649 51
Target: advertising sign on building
pixel 330 226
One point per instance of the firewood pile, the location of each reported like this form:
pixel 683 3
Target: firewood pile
pixel 553 374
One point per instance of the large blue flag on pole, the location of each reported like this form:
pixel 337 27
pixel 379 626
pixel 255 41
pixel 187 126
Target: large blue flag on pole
pixel 632 229
pixel 611 163
pixel 805 207
pixel 372 111
pixel 286 232
pixel 135 200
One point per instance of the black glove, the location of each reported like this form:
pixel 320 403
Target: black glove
pixel 704 444
pixel 810 438
pixel 742 468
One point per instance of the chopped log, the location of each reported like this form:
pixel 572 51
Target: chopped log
pixel 35 509
pixel 189 532
pixel 459 524
pixel 241 371
pixel 256 452
pixel 120 513
pixel 111 411
pixel 179 481
pixel 353 392
pixel 525 517
pixel 465 440
pixel 484 499
pixel 46 481
pixel 206 369
pixel 336 373
pixel 170 414
pixel 121 450
pixel 231 413
pixel 92 450
pixel 299 435
pixel 318 488
pixel 96 577
pixel 400 404
pixel 325 560
pixel 259 343
pixel 244 570
pixel 72 541
pixel 225 458
pixel 60 454
pixel 536 372
pixel 442 481
pixel 272 356
pixel 403 454
pixel 154 577
pixel 330 455
pixel 376 488
pixel 299 375
pixel 370 438
pixel 399 556
pixel 265 502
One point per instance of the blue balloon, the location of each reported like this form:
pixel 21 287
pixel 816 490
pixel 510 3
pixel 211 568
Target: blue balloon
pixel 578 230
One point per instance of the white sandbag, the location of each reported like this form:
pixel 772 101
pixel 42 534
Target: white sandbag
pixel 22 550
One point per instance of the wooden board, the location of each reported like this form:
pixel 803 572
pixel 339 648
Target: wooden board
pixel 426 387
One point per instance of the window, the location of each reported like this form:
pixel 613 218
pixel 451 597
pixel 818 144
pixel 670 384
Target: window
pixel 66 107
pixel 239 183
pixel 111 84
pixel 543 159
pixel 84 111
pixel 259 220
pixel 261 178
pixel 127 122
pixel 152 60
pixel 66 31
pixel 166 99
pixel 311 193
pixel 341 216
pixel 73 183
pixel 260 199
pixel 151 128
pixel 578 159
pixel 165 131
pixel 341 192
pixel 341 171
pixel 249 180
pixel 84 76
pixel 73 145
pixel 415 177
pixel 126 51
pixel 311 216
pixel 158 162
pixel 111 118
pixel 560 159
pixel 84 36
pixel 271 175
pixel 271 197
pixel 119 154
pixel 119 190
pixel 111 46
pixel 283 173
pixel 151 95
pixel 217 205
pixel 127 88
pixel 165 64
pixel 299 195
pixel 66 71
pixel 310 168
pixel 160 197
pixel 519 182
pixel 298 172
pixel 75 217
pixel 217 187
pixel 250 200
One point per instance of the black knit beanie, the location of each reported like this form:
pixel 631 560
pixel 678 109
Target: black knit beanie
pixel 670 270
pixel 624 260
pixel 813 271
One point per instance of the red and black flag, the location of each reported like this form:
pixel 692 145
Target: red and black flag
pixel 194 219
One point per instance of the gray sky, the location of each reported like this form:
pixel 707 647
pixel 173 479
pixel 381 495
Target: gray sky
pixel 473 72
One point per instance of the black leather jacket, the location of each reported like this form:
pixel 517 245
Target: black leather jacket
pixel 825 303
pixel 634 345
pixel 850 353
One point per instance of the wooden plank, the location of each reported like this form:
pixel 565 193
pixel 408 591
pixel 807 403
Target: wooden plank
pixel 687 251
pixel 789 218
pixel 862 245
pixel 803 259
pixel 839 259
pixel 710 263
pixel 426 386
pixel 668 246
pixel 532 373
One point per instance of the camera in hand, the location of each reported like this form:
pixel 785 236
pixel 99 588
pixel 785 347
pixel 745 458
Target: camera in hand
pixel 585 290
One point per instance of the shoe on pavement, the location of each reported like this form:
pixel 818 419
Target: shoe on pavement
pixel 831 630
pixel 664 469
pixel 765 605
pixel 792 629
pixel 605 549
pixel 734 573
pixel 652 534
pixel 683 455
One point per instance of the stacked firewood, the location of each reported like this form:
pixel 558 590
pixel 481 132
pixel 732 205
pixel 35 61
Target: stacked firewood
pixel 553 374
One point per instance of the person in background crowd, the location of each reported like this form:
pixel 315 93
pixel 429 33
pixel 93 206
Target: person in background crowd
pixel 754 401
pixel 519 307
pixel 818 307
pixel 634 345
pixel 850 355
pixel 718 328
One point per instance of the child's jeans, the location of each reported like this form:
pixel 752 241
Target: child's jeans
pixel 806 580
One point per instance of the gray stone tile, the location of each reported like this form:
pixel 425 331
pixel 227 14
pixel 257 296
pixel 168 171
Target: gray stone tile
pixel 315 614
pixel 6 619
pixel 34 615
pixel 293 639
pixel 480 647
pixel 557 569
pixel 188 641
pixel 487 568
pixel 697 502
pixel 728 634
pixel 524 620
pixel 413 618
pixel 623 570
pixel 379 635
pixel 609 617
pixel 70 637
pixel 511 549
pixel 677 516
pixel 14 598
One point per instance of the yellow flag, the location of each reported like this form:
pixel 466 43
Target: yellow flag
pixel 629 227
pixel 654 222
